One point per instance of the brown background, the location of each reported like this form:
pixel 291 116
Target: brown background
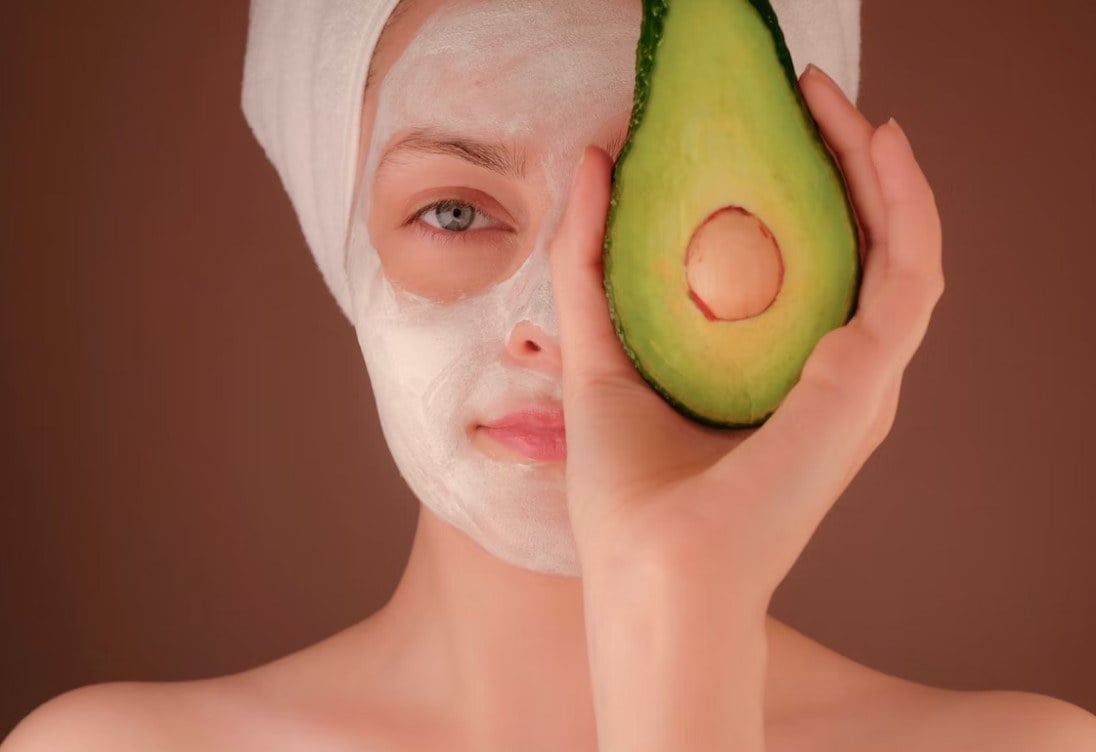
pixel 192 476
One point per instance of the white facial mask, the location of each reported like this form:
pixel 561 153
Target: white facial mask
pixel 550 76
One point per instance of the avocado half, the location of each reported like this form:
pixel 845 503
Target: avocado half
pixel 719 130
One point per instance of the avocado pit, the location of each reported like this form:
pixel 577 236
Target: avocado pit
pixel 733 265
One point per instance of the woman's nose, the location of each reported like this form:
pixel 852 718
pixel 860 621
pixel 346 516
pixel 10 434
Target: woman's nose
pixel 531 347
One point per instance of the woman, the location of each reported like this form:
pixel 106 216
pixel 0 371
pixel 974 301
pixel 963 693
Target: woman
pixel 610 591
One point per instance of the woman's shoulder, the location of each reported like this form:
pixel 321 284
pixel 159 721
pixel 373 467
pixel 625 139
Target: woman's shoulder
pixel 330 696
pixel 130 715
pixel 215 714
pixel 1003 721
pixel 904 716
pixel 817 701
pixel 115 715
pixel 299 701
pixel 228 713
pixel 847 706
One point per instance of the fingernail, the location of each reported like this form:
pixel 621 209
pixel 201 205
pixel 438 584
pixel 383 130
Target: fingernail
pixel 901 132
pixel 815 72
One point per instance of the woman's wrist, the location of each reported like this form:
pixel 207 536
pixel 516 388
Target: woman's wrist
pixel 677 661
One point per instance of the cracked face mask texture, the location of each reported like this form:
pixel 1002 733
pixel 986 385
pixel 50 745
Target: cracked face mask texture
pixel 542 80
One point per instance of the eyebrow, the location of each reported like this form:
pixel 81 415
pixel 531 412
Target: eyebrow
pixel 494 157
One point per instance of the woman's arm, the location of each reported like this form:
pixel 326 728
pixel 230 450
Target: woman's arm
pixel 677 660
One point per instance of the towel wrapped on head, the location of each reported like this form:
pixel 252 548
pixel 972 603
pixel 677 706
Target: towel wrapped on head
pixel 304 75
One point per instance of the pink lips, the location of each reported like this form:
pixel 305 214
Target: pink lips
pixel 537 433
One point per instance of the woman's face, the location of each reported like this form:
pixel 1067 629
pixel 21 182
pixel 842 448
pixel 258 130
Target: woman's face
pixel 472 129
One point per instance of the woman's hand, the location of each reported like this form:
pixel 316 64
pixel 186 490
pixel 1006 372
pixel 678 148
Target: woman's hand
pixel 685 531
pixel 644 484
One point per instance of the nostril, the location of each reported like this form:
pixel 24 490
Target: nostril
pixel 532 346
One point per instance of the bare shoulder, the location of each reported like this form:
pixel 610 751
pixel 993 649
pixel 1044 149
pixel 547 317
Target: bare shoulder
pixel 121 716
pixel 118 715
pixel 306 700
pixel 1004 721
pixel 907 716
pixel 830 702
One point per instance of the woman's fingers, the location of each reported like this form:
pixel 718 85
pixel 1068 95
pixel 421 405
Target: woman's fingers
pixel 910 271
pixel 592 354
pixel 803 457
pixel 848 134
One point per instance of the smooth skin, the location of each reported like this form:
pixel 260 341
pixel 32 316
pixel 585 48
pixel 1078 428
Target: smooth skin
pixel 684 533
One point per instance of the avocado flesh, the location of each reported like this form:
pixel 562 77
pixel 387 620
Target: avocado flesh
pixel 718 121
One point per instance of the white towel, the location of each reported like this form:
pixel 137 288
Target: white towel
pixel 304 73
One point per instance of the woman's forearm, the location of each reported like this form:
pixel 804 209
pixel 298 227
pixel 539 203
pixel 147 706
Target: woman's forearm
pixel 676 663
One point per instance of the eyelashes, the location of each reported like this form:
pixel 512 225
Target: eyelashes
pixel 453 207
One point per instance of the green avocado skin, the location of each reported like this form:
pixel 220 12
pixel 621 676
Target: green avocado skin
pixel 651 32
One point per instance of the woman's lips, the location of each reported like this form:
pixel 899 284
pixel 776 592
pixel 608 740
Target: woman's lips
pixel 536 433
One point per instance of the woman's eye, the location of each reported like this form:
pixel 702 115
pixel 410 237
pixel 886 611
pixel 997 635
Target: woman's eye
pixel 453 216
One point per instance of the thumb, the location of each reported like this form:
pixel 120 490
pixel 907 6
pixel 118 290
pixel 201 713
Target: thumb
pixel 591 351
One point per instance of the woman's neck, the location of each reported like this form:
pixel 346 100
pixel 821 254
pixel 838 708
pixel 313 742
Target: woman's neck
pixel 500 649
pixel 496 652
